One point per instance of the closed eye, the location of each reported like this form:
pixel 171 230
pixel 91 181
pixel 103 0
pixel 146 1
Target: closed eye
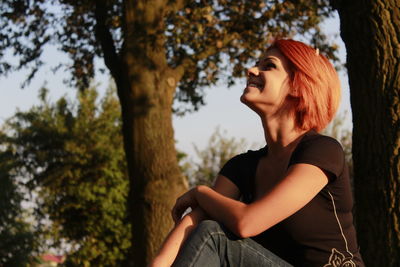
pixel 271 65
pixel 267 66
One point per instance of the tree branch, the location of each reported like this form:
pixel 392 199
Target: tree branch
pixel 209 51
pixel 104 37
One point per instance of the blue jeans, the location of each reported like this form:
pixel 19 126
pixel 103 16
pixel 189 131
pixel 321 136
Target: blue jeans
pixel 212 245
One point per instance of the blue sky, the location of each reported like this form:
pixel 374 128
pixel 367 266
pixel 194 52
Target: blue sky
pixel 222 108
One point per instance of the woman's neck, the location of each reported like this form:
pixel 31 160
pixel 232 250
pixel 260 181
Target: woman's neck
pixel 281 135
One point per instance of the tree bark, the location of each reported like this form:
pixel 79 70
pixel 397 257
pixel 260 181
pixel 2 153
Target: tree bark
pixel 146 87
pixel 155 178
pixel 370 30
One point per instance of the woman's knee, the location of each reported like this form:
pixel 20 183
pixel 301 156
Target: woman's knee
pixel 209 227
pixel 202 245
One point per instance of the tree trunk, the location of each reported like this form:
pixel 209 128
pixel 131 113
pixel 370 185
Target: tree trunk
pixel 155 178
pixel 371 31
pixel 146 90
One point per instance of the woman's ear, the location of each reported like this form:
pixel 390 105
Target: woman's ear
pixel 293 92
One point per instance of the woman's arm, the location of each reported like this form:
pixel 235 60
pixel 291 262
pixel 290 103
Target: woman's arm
pixel 170 248
pixel 300 185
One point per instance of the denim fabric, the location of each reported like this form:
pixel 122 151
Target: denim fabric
pixel 212 245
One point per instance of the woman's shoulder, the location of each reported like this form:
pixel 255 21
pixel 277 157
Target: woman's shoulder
pixel 320 141
pixel 322 151
pixel 251 154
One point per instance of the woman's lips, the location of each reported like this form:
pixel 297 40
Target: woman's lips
pixel 255 85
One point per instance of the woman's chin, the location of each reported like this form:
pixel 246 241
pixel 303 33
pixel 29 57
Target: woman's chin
pixel 247 97
pixel 244 98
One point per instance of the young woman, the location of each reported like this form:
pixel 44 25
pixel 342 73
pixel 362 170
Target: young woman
pixel 287 204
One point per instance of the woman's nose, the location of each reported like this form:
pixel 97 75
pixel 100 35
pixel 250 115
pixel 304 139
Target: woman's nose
pixel 253 71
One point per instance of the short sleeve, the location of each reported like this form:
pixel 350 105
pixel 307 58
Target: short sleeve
pixel 323 152
pixel 232 170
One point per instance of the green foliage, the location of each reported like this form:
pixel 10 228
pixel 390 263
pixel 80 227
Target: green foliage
pixel 72 156
pixel 219 150
pixel 27 27
pixel 17 240
pixel 209 39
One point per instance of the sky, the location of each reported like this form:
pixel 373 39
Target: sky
pixel 223 108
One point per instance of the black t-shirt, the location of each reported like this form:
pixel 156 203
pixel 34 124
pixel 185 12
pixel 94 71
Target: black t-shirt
pixel 322 232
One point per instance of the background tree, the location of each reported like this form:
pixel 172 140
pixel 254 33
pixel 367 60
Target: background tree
pixel 17 238
pixel 72 157
pixel 371 31
pixel 211 159
pixel 151 48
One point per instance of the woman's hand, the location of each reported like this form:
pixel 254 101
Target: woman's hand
pixel 183 202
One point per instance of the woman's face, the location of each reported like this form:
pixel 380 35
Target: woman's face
pixel 267 83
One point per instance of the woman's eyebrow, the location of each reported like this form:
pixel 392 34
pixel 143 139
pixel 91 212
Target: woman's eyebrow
pixel 266 59
pixel 271 58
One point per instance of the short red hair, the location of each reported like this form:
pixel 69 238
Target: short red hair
pixel 315 85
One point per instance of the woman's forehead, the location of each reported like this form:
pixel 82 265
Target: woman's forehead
pixel 273 53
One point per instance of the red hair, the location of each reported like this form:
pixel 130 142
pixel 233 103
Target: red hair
pixel 315 85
